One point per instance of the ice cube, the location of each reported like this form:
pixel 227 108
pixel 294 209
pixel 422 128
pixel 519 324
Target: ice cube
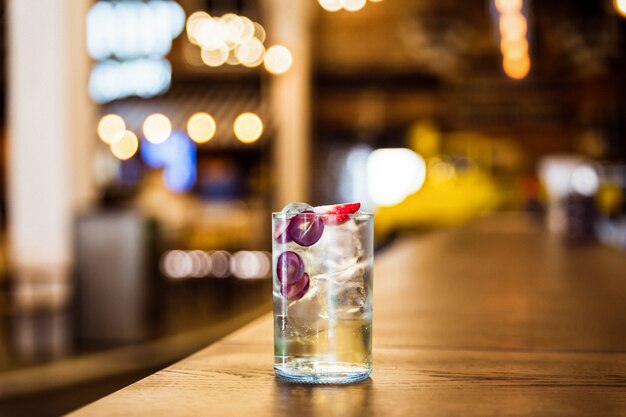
pixel 306 315
pixel 292 209
pixel 338 249
pixel 348 295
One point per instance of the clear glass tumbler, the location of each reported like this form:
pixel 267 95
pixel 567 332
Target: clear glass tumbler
pixel 323 296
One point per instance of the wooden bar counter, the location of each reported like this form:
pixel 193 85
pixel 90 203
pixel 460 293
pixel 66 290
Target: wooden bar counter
pixel 495 318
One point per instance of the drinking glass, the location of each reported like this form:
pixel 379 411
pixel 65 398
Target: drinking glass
pixel 322 288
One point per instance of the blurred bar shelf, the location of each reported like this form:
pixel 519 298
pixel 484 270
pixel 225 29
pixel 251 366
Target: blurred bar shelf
pixel 497 317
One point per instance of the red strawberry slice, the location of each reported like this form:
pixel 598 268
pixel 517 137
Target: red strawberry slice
pixel 337 213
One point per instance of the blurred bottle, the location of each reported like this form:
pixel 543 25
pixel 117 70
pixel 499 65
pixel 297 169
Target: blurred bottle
pixel 571 183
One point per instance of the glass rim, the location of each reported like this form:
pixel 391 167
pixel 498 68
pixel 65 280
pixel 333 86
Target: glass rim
pixel 280 214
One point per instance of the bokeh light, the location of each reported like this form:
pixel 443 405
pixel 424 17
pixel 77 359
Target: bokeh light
pixel 259 31
pixel 250 53
pixel 201 127
pixel 585 180
pixel 349 5
pixel 278 59
pixel 191 26
pixel 211 33
pixel 393 174
pixel 513 26
pixel 157 128
pixel 234 29
pixel 620 7
pixel 129 41
pixel 250 265
pixel 514 49
pixel 516 68
pixel 220 260
pixel 178 158
pixel 248 127
pixel 200 264
pixel 182 264
pixel 353 5
pixel 111 128
pixel 176 264
pixel 125 147
pixel 214 57
pixel 331 5
pixel 230 39
pixel 128 30
pixel 440 172
pixel 509 6
pixel 144 77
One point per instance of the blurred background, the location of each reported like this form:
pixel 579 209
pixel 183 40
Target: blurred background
pixel 145 144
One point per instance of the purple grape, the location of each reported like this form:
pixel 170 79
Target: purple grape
pixel 296 290
pixel 306 228
pixel 304 290
pixel 289 268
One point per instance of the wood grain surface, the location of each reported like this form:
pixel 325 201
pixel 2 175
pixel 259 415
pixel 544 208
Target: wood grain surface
pixel 496 318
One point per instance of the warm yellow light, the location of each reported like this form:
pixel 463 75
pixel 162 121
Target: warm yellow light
pixel 353 5
pixel 234 28
pixel 157 128
pixel 620 6
pixel 248 29
pixel 215 57
pixel 192 24
pixel 376 1
pixel 250 53
pixel 278 59
pixel 516 68
pixel 248 127
pixel 259 31
pixel 513 26
pixel 256 62
pixel 111 128
pixel 509 6
pixel 125 147
pixel 514 49
pixel 201 127
pixel 331 5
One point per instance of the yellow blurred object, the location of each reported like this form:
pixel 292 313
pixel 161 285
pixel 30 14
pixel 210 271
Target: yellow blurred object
pixel 440 173
pixel 610 198
pixel 424 139
pixel 445 203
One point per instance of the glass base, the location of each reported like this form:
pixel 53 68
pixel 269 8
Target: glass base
pixel 322 372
